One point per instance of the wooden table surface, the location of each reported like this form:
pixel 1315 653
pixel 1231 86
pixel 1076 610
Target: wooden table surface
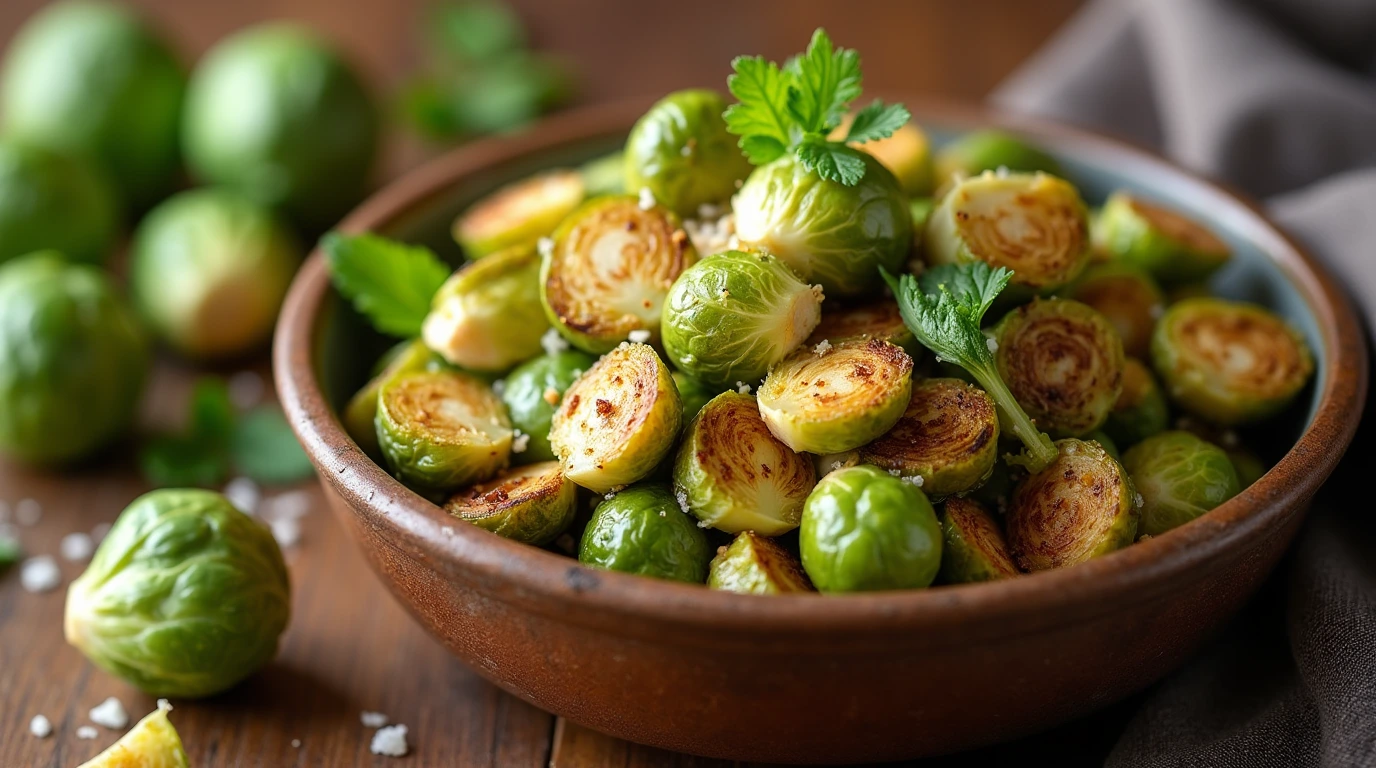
pixel 350 648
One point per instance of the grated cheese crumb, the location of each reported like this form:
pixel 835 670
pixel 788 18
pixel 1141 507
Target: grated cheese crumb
pixel 682 497
pixel 639 336
pixel 390 741
pixel 822 347
pixel 1138 501
pixel 545 246
pixel 916 480
pixel 647 199
pixel 520 443
pixel 40 574
pixel 76 547
pixel 895 473
pixel 28 512
pixel 743 388
pixel 373 719
pixel 110 713
pixel 992 343
pixel 86 732
pixel 40 727
pixel 553 342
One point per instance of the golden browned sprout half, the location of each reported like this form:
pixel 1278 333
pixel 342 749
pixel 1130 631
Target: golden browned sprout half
pixel 755 565
pixel 948 436
pixel 531 504
pixel 974 547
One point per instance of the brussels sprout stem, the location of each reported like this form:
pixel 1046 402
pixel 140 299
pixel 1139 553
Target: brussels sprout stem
pixel 1039 451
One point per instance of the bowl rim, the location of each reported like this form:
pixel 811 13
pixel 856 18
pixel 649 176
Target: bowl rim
pixel 558 585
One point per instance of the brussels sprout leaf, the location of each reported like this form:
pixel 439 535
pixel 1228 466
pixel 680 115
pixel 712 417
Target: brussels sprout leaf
pixel 944 311
pixel 390 283
pixel 877 121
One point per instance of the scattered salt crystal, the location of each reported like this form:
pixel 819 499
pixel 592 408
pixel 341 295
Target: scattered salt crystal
pixel 164 705
pixel 99 532
pixel 373 719
pixel 390 741
pixel 895 472
pixel 520 443
pixel 499 387
pixel 1138 501
pixel 682 497
pixel 835 465
pixel 916 480
pixel 296 743
pixel 553 342
pixel 992 343
pixel 245 389
pixel 743 388
pixel 639 336
pixel 28 512
pixel 86 732
pixel 110 713
pixel 286 530
pixel 545 246
pixel 289 505
pixel 40 574
pixel 40 726
pixel 76 547
pixel 647 199
pixel 704 524
pixel 244 494
pixel 822 347
pixel 609 496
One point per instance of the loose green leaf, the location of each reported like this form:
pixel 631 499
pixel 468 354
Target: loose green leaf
pixel 761 119
pixel 877 121
pixel 212 411
pixel 825 80
pixel 390 283
pixel 183 461
pixel 832 160
pixel 265 450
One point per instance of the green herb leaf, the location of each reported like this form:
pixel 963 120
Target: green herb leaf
pixel 877 121
pixel 265 450
pixel 761 119
pixel 832 160
pixel 391 283
pixel 973 286
pixel 825 80
pixel 212 412
pixel 473 32
pixel 183 461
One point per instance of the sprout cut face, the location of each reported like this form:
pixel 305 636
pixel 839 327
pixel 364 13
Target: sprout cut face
pixel 755 565
pixel 1180 478
pixel 1080 507
pixel 360 414
pixel 488 316
pixel 838 400
pixel 531 504
pixel 519 213
pixel 440 431
pixel 732 316
pixel 1140 411
pixel 533 393
pixel 735 476
pixel 1164 243
pixel 948 436
pixel 878 319
pixel 974 548
pixel 641 530
pixel 1128 297
pixel 681 152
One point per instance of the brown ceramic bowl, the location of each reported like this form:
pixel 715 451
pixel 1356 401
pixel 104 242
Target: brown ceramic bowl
pixel 813 679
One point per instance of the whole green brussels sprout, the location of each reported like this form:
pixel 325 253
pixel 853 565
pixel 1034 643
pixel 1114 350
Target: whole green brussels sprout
pixel 185 597
pixel 980 151
pixel 1171 247
pixel 864 529
pixel 756 565
pixel 642 530
pixel 1180 477
pixel 681 151
pixel 533 392
pixel 92 78
pixel 487 316
pixel 72 360
pixel 50 200
pixel 208 272
pixel 277 114
pixel 827 232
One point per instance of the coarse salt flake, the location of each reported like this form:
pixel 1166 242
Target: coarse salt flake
pixel 110 713
pixel 822 347
pixel 743 388
pixel 390 741
pixel 40 574
pixel 520 442
pixel 287 531
pixel 373 719
pixel 895 472
pixel 682 497
pixel 916 480
pixel 28 512
pixel 164 705
pixel 76 547
pixel 992 343
pixel 553 343
pixel 40 726
pixel 639 336
pixel 647 199
pixel 86 732
pixel 1138 501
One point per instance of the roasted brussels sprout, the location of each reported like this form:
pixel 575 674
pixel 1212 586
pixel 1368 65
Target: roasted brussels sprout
pixel 531 504
pixel 827 232
pixel 604 176
pixel 681 152
pixel 729 318
pixel 907 154
pixel 1080 507
pixel 1064 363
pixel 980 151
pixel 441 430
pixel 618 421
pixel 72 360
pixel 735 476
pixel 519 213
pixel 185 597
pixel 532 393
pixel 51 201
pixel 864 529
pixel 973 548
pixel 1166 244
pixel 948 436
pixel 209 270
pixel 1228 362
pixel 488 316
pixel 360 413
pixel 1140 411
pixel 641 530
pixel 91 78
pixel 1110 447
pixel 1033 224
pixel 838 398
pixel 755 565
pixel 151 743
pixel 878 319
pixel 609 269
pixel 1179 477
pixel 693 393
pixel 1127 296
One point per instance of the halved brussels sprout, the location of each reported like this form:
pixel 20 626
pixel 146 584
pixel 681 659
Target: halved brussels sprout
pixel 693 393
pixel 948 436
pixel 440 431
pixel 1179 477
pixel 605 176
pixel 974 548
pixel 487 316
pixel 531 504
pixel 1127 296
pixel 839 398
pixel 151 743
pixel 1080 507
pixel 618 420
pixel 1228 362
pixel 980 151
pixel 732 316
pixel 360 414
pixel 1063 361
pixel 532 394
pixel 521 212
pixel 864 529
pixel 827 232
pixel 641 530
pixel 681 151
pixel 1140 411
pixel 735 476
pixel 1033 224
pixel 610 267
pixel 1166 244
pixel 907 153
pixel 755 565
pixel 877 319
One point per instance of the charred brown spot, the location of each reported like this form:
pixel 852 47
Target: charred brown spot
pixel 605 408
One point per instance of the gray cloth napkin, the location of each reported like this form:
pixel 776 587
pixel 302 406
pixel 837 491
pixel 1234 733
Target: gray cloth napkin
pixel 1277 97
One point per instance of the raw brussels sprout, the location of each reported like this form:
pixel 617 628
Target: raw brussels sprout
pixel 519 213
pixel 72 360
pixel 1228 362
pixel 605 176
pixel 52 201
pixel 532 394
pixel 693 393
pixel 980 151
pixel 729 318
pixel 755 565
pixel 948 436
pixel 151 743
pixel 1079 507
pixel 864 529
pixel 487 316
pixel 618 421
pixel 360 414
pixel 641 530
pixel 1033 224
pixel 185 597
pixel 735 476
pixel 1166 244
pixel 441 430
pixel 907 154
pixel 93 79
pixel 1127 296
pixel 1063 361
pixel 973 548
pixel 209 270
pixel 681 152
pixel 827 232
pixel 1180 477
pixel 877 319
pixel 277 114
pixel 1140 411
pixel 531 504
pixel 839 398
pixel 610 267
